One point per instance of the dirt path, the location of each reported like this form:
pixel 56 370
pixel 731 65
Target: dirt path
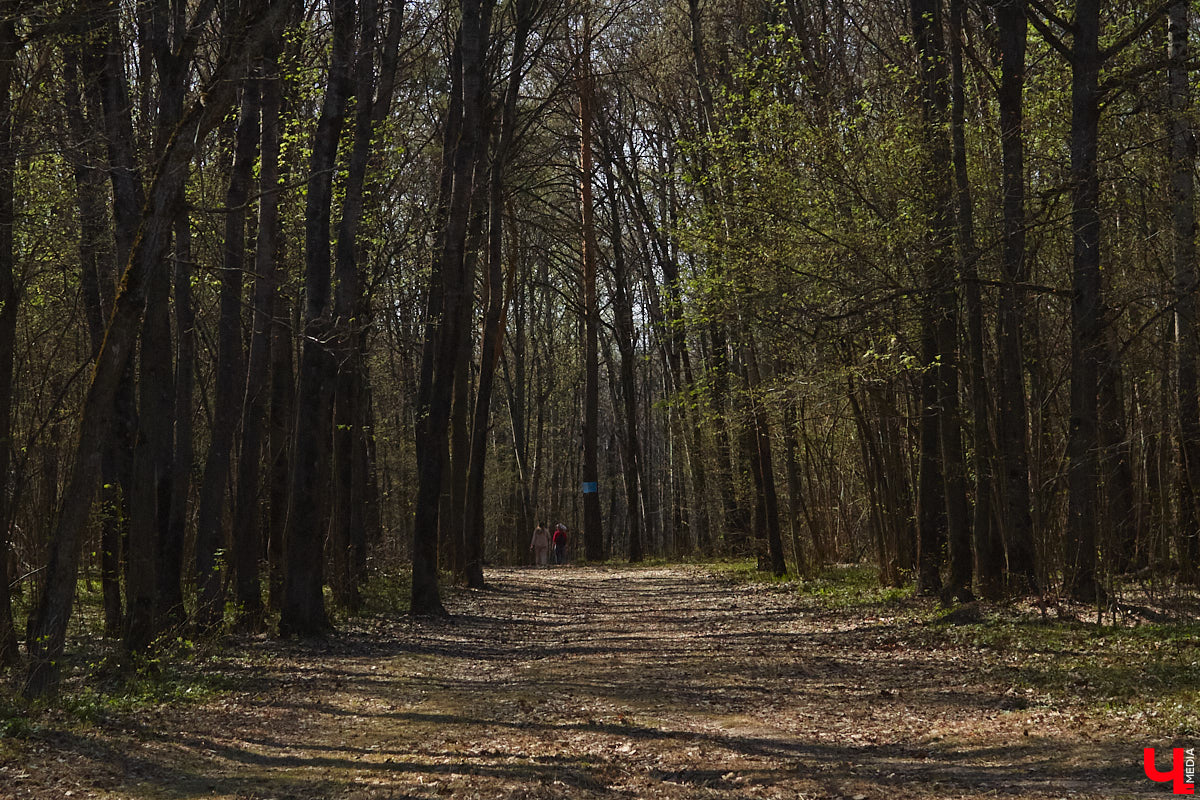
pixel 604 683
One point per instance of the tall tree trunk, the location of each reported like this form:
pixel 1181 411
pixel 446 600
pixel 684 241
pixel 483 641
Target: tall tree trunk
pixel 796 499
pixel 246 530
pixel 170 569
pixel 1183 217
pixel 1012 420
pixel 593 533
pixel 763 463
pixel 106 60
pixel 281 416
pixel 97 282
pixel 153 456
pixel 351 485
pixel 449 298
pixel 280 429
pixel 958 513
pixel 452 524
pixel 735 517
pixel 427 516
pixel 1087 341
pixel 1120 518
pixel 303 609
pixel 230 372
pixel 347 525
pixel 989 557
pixel 497 292
pixel 624 330
pixel 53 608
pixel 940 421
pixel 9 44
pixel 751 479
pixel 150 497
pixel 736 521
pixel 452 520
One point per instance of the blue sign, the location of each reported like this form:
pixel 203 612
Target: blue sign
pixel 591 487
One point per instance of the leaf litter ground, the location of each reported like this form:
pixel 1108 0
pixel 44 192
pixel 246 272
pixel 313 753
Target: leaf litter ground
pixel 607 682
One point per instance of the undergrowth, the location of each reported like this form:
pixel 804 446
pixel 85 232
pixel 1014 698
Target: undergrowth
pixel 107 684
pixel 1149 673
pixel 1144 670
pixel 390 593
pixel 170 679
pixel 832 586
pixel 110 686
pixel 847 585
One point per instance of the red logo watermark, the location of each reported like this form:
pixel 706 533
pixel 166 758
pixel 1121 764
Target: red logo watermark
pixel 1183 769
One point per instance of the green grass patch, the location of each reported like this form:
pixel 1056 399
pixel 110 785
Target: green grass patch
pixel 140 692
pixel 742 570
pixel 1149 672
pixel 833 586
pixel 180 672
pixel 389 594
pixel 14 718
pixel 108 687
pixel 848 585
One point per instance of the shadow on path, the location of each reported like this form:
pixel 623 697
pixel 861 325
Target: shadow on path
pixel 607 683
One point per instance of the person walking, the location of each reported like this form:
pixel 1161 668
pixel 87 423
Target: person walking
pixel 540 545
pixel 560 544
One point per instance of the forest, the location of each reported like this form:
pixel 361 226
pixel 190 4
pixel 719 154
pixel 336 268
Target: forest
pixel 853 343
pixel 298 296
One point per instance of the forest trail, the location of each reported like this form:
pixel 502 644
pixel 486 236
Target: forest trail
pixel 605 683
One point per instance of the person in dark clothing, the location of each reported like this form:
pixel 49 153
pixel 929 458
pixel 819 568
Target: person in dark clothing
pixel 560 544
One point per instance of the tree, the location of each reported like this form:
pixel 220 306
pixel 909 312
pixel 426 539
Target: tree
pixel 593 532
pixel 1183 217
pixel 497 291
pixel 247 523
pixel 624 335
pixel 47 634
pixel 153 456
pixel 302 612
pixel 940 421
pixel 449 296
pixel 986 545
pixel 9 44
pixel 1012 419
pixel 230 370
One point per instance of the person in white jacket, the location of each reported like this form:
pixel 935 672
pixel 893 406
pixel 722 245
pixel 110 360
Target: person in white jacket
pixel 540 545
